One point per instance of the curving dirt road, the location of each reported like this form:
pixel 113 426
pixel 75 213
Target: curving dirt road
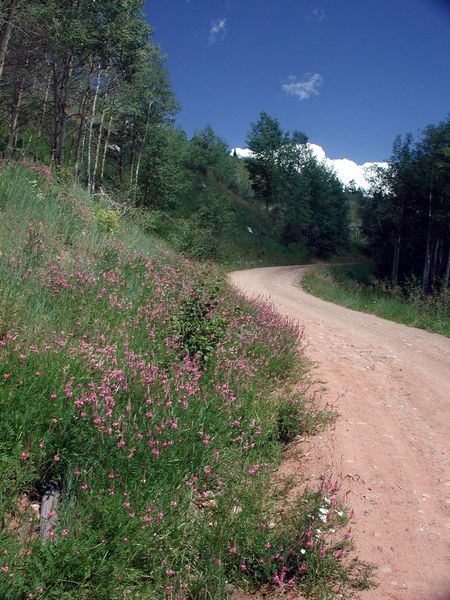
pixel 391 385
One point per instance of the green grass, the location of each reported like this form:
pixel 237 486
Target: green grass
pixel 355 287
pixel 148 392
pixel 211 222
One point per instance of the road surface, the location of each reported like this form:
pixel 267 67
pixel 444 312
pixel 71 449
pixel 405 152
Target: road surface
pixel 391 444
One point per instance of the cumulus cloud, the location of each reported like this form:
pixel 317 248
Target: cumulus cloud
pixel 346 170
pixel 218 30
pixel 303 88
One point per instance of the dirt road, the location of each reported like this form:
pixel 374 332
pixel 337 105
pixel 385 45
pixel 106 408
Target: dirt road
pixel 391 444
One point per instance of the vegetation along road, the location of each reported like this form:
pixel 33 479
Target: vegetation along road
pixel 391 387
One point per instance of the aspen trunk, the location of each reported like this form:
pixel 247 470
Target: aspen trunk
pixel 447 270
pixel 395 262
pixel 6 31
pixel 43 114
pixel 91 128
pixel 61 99
pixel 427 260
pixel 83 144
pixel 105 148
pixel 82 125
pixel 144 139
pixel 133 151
pixel 15 118
pixel 434 264
pixel 97 150
pixel 81 132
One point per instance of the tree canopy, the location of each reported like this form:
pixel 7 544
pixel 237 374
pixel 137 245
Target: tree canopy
pixel 406 217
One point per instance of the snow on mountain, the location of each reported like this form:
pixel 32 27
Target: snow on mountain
pixel 346 169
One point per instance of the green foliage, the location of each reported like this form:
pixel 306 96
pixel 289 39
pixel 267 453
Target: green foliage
pixel 299 415
pixel 107 220
pixel 198 236
pixel 240 183
pixel 266 137
pixel 96 60
pixel 406 216
pixel 162 170
pixel 208 153
pixel 164 461
pixel 199 325
pixel 304 198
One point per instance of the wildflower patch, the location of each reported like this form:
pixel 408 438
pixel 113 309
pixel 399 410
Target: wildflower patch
pixel 140 387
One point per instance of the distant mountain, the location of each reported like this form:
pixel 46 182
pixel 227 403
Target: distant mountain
pixel 346 169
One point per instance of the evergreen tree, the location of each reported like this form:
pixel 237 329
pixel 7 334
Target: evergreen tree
pixel 406 217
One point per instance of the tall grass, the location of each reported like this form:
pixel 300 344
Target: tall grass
pixel 142 387
pixel 355 286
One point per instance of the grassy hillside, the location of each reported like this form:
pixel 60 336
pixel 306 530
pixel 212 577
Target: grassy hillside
pixel 355 286
pixel 209 221
pixel 148 397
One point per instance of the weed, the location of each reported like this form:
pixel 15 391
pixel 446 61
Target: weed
pixel 107 220
pixel 299 415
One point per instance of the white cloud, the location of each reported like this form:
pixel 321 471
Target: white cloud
pixel 304 88
pixel 345 169
pixel 318 14
pixel 242 152
pixel 218 30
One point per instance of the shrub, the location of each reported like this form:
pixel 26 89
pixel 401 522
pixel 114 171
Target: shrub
pixel 198 326
pixel 107 220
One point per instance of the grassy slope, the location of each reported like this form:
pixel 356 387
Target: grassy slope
pixel 142 386
pixel 234 245
pixel 350 286
pixel 260 248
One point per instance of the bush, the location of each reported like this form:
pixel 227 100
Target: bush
pixel 200 236
pixel 198 326
pixel 107 220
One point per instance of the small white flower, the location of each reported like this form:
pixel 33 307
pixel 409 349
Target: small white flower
pixel 340 513
pixel 302 551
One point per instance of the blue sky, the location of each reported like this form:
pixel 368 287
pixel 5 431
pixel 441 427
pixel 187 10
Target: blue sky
pixel 350 73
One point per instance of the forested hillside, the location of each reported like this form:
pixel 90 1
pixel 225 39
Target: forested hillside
pixel 85 91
